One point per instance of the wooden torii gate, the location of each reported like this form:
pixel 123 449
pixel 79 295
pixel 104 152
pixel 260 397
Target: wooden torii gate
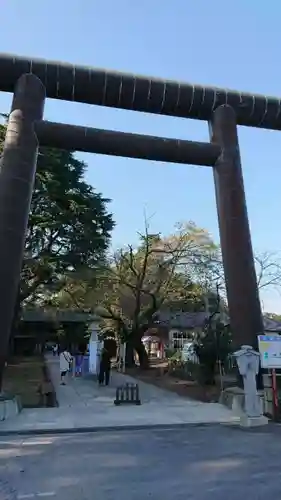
pixel 32 80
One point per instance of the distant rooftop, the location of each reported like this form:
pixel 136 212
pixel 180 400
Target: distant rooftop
pixel 172 319
pixel 59 316
pixel 189 320
pixel 181 319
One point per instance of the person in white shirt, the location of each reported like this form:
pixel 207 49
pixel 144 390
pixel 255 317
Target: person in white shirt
pixel 65 362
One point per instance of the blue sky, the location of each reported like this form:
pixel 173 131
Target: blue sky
pixel 223 43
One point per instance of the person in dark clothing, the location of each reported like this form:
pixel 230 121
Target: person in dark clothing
pixel 105 365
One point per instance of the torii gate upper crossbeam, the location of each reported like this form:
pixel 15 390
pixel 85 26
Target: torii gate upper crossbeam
pixel 132 92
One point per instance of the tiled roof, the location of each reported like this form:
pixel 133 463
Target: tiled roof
pixel 197 319
pixel 182 319
pixel 270 325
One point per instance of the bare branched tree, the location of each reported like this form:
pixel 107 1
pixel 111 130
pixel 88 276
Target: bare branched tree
pixel 268 268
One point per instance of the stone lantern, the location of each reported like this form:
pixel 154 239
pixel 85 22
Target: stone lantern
pixel 248 361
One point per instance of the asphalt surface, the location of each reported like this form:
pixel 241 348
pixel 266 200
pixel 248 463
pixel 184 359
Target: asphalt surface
pixel 196 463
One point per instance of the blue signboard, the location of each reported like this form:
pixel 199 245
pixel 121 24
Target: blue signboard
pixel 270 351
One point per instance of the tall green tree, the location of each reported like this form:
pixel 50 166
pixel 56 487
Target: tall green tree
pixel 69 225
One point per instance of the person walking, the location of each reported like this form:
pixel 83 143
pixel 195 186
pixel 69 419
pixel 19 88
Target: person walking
pixel 65 363
pixel 105 366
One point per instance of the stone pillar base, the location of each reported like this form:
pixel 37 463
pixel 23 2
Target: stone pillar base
pixel 10 406
pixel 246 421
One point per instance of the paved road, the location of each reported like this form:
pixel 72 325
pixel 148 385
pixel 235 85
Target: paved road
pixel 196 463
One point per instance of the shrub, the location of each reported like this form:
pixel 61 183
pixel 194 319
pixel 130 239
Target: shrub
pixel 212 347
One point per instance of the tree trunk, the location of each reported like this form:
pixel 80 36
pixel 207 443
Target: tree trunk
pixel 134 343
pixel 142 354
pixel 15 322
pixel 129 356
pixel 4 359
pixel 2 368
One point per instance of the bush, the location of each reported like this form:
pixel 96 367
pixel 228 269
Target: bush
pixel 186 370
pixel 169 353
pixel 212 347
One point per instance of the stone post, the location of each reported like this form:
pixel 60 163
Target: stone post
pixel 17 173
pixel 238 261
pixel 248 361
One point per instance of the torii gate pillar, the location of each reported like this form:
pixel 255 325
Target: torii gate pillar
pixel 17 174
pixel 238 260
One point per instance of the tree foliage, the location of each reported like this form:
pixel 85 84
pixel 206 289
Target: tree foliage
pixel 69 226
pixel 273 316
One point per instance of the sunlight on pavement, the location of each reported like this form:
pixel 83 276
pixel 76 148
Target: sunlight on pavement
pixel 35 495
pixel 221 464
